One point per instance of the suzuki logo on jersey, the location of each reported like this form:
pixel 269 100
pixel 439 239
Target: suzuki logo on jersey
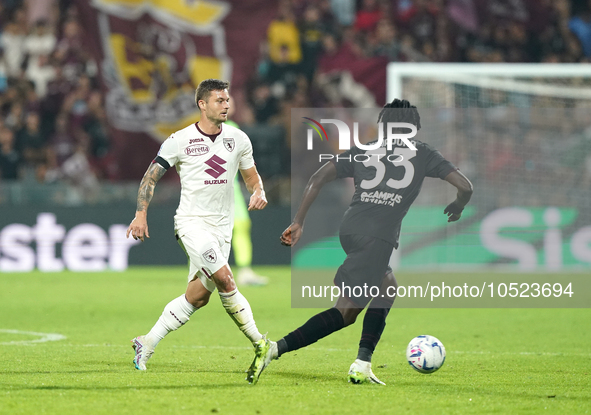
pixel 345 136
pixel 215 163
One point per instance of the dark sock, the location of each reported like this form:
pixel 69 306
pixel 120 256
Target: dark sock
pixel 374 323
pixel 281 346
pixel 319 326
pixel 364 354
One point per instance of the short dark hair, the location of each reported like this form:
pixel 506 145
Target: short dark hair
pixel 402 111
pixel 205 87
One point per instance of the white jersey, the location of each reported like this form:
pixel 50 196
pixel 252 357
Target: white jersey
pixel 207 165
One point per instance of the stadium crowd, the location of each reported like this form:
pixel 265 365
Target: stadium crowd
pixel 52 118
pixel 309 40
pixel 53 126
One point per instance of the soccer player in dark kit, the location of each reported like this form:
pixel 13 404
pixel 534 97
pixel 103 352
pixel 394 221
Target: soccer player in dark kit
pixel 386 185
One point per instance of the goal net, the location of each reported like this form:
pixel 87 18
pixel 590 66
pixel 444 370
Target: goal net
pixel 522 134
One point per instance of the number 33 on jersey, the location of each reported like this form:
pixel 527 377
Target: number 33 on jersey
pixel 386 184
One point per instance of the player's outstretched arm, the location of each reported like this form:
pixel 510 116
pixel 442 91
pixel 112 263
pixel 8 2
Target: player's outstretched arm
pixel 465 189
pixel 254 185
pixel 139 225
pixel 323 175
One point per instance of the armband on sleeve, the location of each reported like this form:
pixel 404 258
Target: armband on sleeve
pixel 162 162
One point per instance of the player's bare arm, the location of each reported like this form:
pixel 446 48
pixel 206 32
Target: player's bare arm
pixel 323 175
pixel 465 189
pixel 254 185
pixel 139 225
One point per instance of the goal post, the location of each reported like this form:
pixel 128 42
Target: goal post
pixel 558 81
pixel 522 134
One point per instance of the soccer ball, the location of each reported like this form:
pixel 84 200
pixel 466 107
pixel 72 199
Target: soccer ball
pixel 425 354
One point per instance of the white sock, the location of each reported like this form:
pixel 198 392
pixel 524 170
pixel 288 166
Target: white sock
pixel 239 310
pixel 175 314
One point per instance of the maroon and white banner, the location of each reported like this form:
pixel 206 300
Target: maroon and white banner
pixel 153 53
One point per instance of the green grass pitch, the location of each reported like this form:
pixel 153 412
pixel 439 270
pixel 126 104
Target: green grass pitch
pixel 523 361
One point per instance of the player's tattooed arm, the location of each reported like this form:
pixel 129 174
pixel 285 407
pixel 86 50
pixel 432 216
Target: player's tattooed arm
pixel 138 228
pixel 147 185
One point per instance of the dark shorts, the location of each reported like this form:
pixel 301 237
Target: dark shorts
pixel 366 263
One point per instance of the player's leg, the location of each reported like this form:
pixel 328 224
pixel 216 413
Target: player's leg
pixel 321 325
pixel 175 315
pixel 236 305
pixel 366 266
pixel 334 319
pixel 343 314
pixel 177 312
pixel 356 271
pixel 374 323
pixel 239 310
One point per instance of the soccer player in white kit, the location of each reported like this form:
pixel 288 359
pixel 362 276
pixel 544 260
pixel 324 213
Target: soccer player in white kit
pixel 207 156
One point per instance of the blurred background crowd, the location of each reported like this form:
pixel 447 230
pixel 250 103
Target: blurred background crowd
pixel 53 123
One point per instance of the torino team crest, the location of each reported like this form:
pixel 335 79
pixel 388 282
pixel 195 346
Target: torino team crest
pixel 229 143
pixel 210 256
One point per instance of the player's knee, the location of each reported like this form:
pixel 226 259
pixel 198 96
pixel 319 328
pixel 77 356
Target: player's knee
pixel 198 302
pixel 390 281
pixel 349 315
pixel 224 281
pixel 197 299
pixel 350 319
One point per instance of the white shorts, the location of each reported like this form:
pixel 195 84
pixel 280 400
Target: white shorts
pixel 207 253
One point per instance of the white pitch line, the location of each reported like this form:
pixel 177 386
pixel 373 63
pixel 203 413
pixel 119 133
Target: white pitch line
pixel 521 353
pixel 43 337
pixel 324 349
pixel 197 347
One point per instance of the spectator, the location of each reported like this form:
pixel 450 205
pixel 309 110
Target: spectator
pixel 517 43
pixel 41 10
pixel 12 42
pixel 30 143
pixel 312 29
pixel 368 16
pixel 343 11
pixel 282 75
pixel 41 73
pixel 3 73
pixel 264 104
pixel 580 25
pixel 386 41
pixel 283 34
pixel 76 103
pixel 57 90
pixel 3 16
pixel 19 17
pixel 464 14
pixel 95 126
pixel 70 51
pixel 15 118
pixel 62 143
pixel 78 170
pixel 9 157
pixel 422 25
pixel 41 42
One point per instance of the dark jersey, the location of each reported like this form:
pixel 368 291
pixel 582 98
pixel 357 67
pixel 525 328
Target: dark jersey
pixel 386 183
